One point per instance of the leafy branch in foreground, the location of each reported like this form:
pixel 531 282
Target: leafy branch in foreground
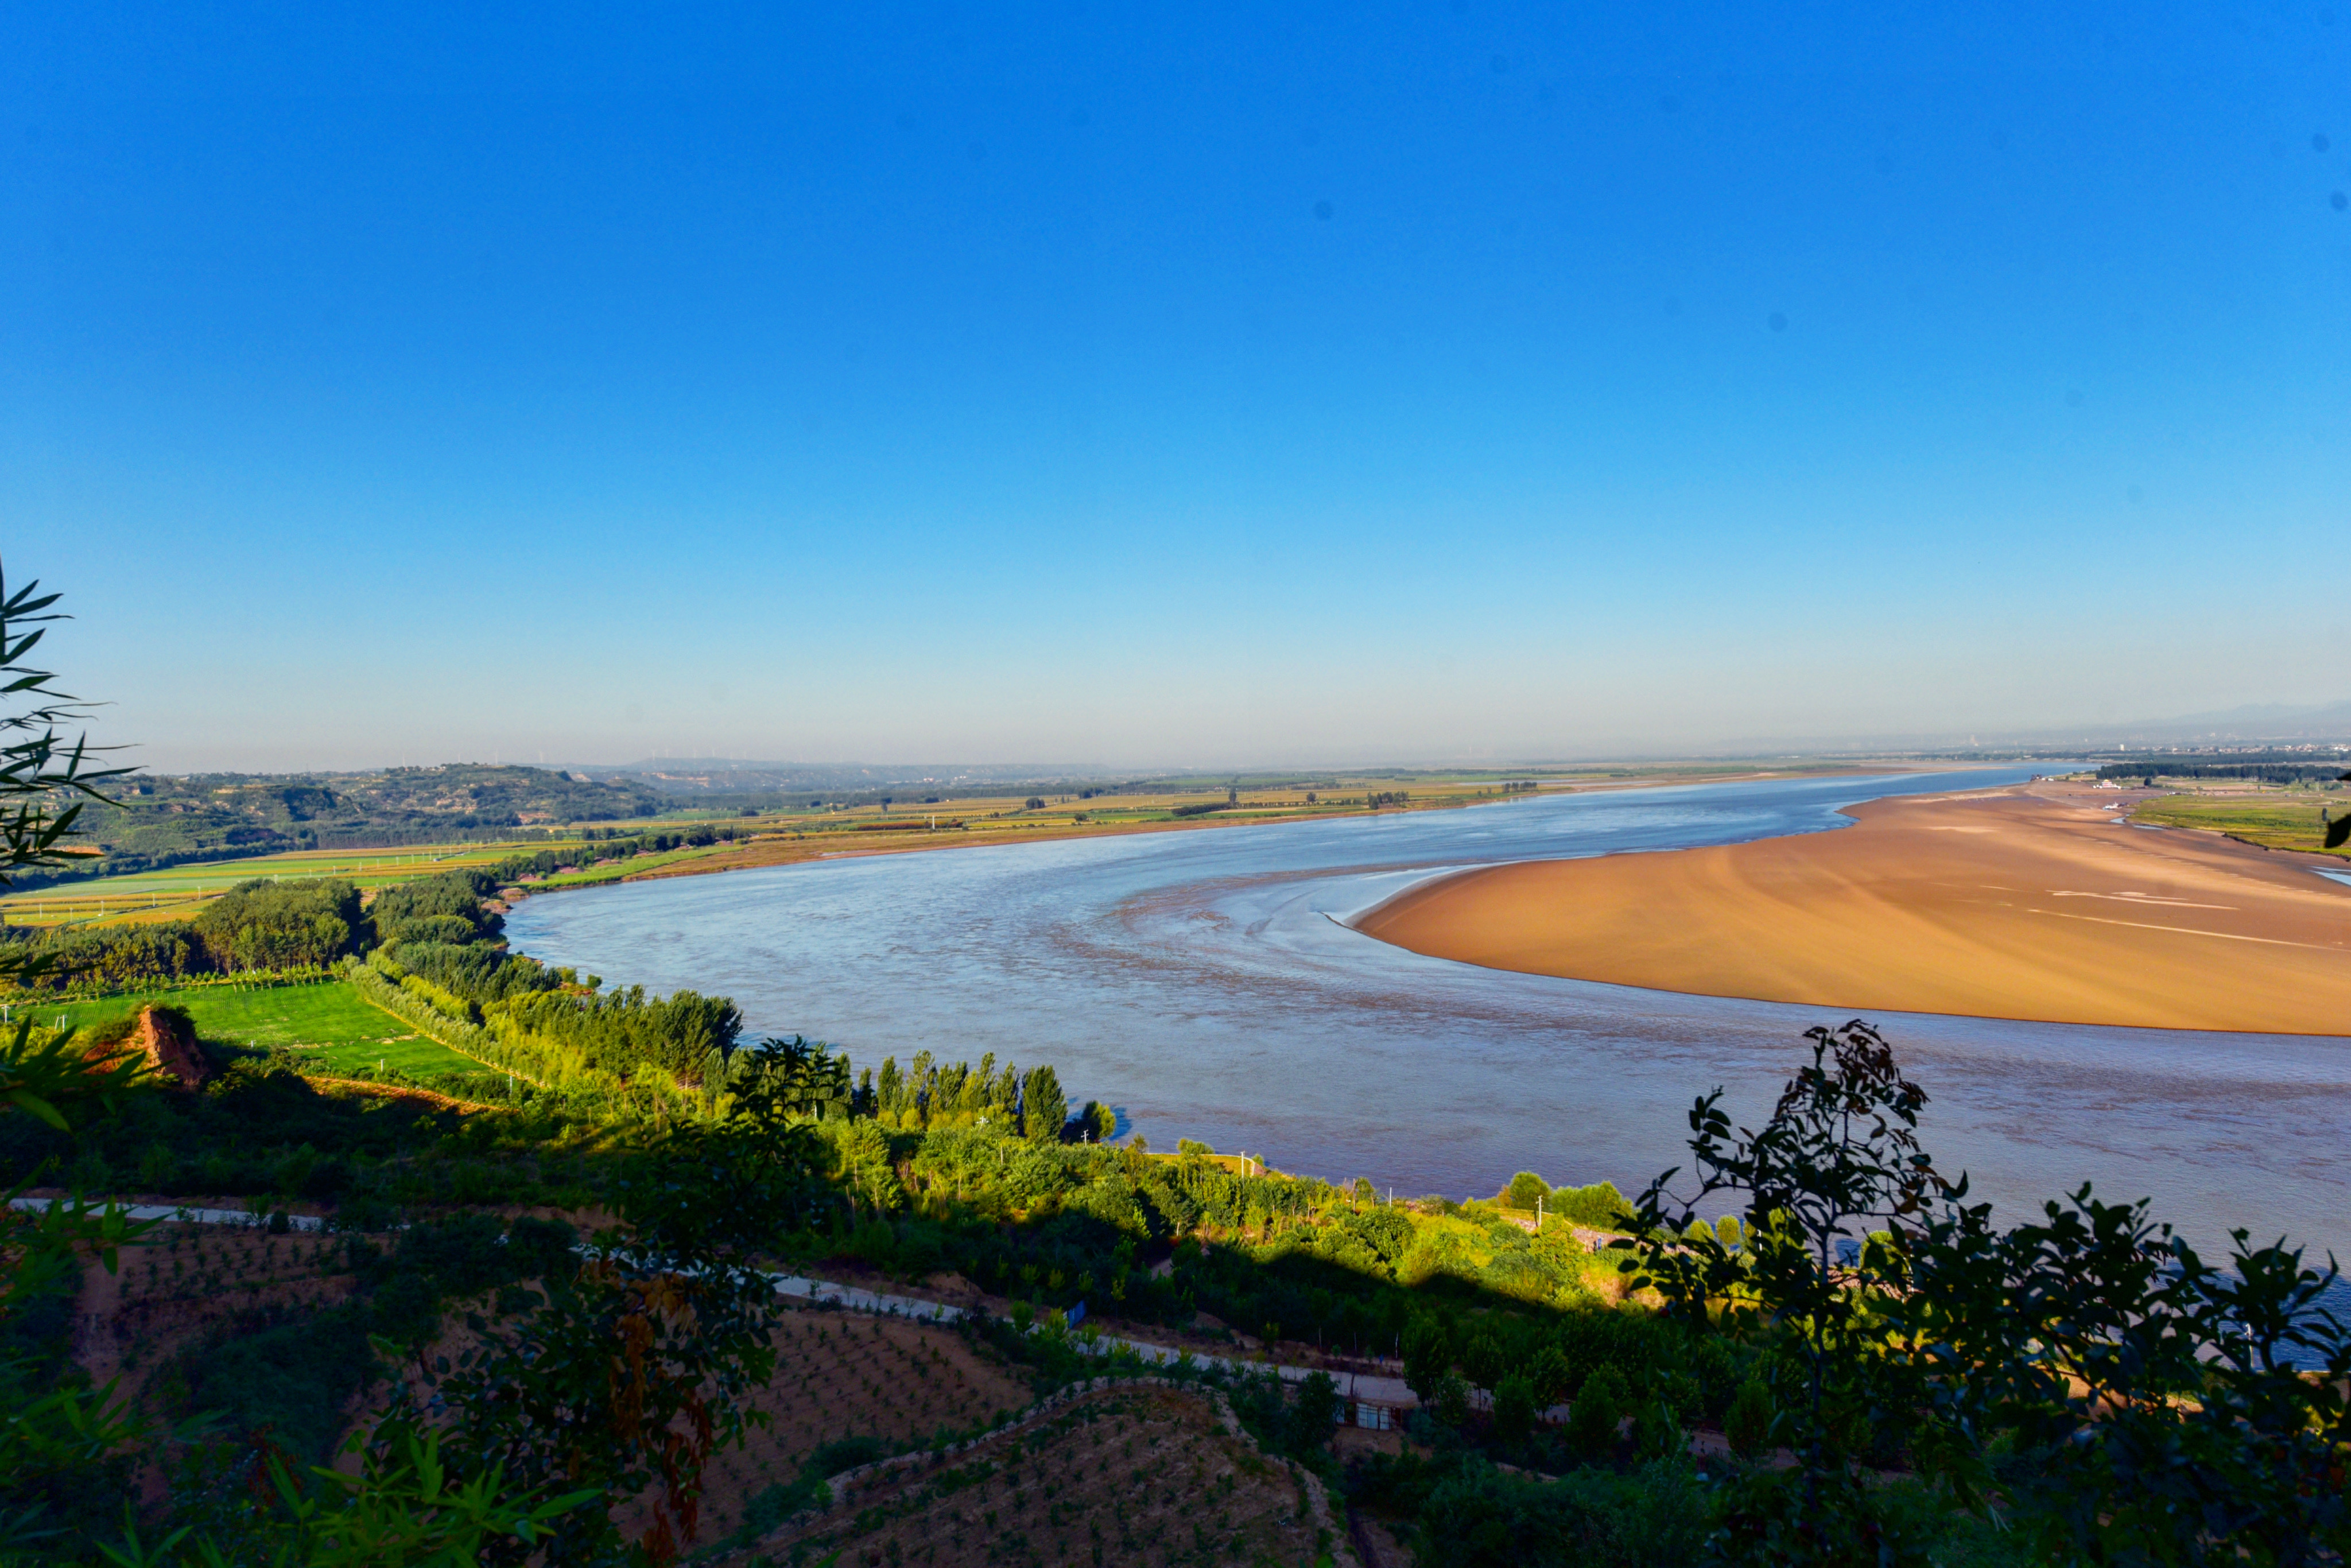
pixel 2168 1411
pixel 2124 1400
pixel 55 1437
pixel 626 1370
pixel 45 1079
pixel 404 1506
pixel 1839 1151
pixel 35 764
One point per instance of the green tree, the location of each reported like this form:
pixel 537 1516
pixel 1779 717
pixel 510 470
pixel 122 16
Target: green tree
pixel 1514 1409
pixel 1598 1411
pixel 45 781
pixel 59 1436
pixel 1428 1356
pixel 1043 1109
pixel 1315 1413
pixel 265 924
pixel 2171 1410
pixel 1453 1399
pixel 1839 1150
pixel 1549 1376
pixel 2180 1411
pixel 788 1081
pixel 1483 1361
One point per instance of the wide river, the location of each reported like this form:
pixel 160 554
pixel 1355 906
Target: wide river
pixel 1201 983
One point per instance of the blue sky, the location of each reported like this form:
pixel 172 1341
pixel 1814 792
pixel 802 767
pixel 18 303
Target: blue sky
pixel 1201 386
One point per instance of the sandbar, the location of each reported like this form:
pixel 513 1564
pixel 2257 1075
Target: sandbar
pixel 2033 901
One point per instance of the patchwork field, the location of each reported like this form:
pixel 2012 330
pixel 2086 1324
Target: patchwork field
pixel 177 892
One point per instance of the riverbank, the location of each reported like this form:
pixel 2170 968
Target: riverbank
pixel 963 827
pixel 2036 902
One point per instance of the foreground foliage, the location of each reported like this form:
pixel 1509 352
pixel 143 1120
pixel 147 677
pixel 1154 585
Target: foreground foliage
pixel 2124 1399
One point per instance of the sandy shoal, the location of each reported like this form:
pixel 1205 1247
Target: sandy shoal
pixel 2028 902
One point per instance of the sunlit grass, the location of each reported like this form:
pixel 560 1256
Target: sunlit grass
pixel 328 1023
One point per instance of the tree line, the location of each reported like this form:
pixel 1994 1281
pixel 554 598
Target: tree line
pixel 2265 772
pixel 271 924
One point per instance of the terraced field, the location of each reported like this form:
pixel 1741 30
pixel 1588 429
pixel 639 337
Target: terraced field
pixel 840 1378
pixel 1131 1474
pixel 1128 1473
pixel 193 1282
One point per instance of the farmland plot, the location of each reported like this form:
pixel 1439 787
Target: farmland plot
pixel 840 1379
pixel 1128 1475
pixel 239 1321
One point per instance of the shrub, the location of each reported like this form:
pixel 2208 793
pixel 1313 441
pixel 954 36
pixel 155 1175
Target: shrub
pixel 1748 1423
pixel 1316 1412
pixel 1481 1518
pixel 286 1374
pixel 1600 1205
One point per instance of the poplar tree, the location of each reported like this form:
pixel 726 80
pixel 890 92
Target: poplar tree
pixel 1042 1107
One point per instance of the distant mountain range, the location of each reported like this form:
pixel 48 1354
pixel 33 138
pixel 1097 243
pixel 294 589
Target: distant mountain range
pixel 157 819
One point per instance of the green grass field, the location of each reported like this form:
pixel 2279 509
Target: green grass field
pixel 329 1024
pixel 2275 819
pixel 614 870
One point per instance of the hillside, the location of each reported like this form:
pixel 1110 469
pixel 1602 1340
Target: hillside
pixel 167 821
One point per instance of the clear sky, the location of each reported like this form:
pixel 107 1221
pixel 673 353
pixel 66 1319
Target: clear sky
pixel 1172 385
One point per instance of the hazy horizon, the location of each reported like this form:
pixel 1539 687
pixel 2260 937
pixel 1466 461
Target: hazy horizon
pixel 2150 734
pixel 1430 381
